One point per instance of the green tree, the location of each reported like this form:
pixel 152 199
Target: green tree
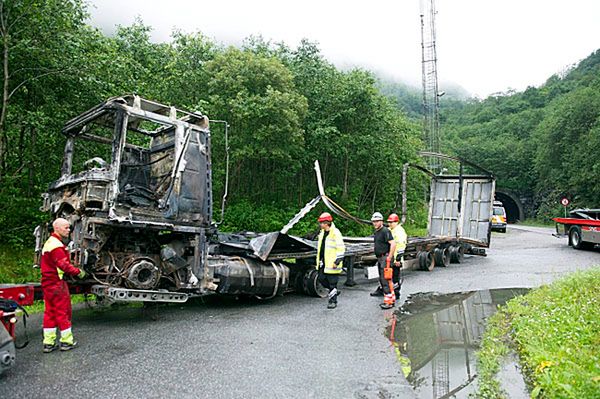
pixel 256 95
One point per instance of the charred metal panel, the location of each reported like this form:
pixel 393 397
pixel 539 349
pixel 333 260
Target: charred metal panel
pixel 141 208
pixel 270 245
pixel 192 196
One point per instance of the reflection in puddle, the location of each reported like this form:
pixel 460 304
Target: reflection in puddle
pixel 435 337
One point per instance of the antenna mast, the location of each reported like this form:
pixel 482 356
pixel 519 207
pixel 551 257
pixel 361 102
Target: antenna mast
pixel 431 95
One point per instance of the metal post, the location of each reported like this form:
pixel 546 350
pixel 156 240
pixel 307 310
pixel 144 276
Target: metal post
pixel 67 165
pixel 226 188
pixel 404 194
pixel 349 265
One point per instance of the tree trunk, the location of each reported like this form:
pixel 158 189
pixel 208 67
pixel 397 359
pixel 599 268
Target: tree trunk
pixel 3 138
pixel 32 163
pixel 21 145
pixel 345 192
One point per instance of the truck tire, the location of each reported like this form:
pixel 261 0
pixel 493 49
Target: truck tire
pixel 312 286
pixel 457 254
pixel 442 257
pixel 576 239
pixel 426 261
pixel 299 283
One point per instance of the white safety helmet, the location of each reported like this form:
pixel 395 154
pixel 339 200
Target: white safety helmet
pixel 376 217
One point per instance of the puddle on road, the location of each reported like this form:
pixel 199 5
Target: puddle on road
pixel 435 337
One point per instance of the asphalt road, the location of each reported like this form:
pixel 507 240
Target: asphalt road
pixel 289 347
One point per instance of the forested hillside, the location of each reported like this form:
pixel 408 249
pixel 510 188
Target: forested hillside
pixel 286 107
pixel 543 142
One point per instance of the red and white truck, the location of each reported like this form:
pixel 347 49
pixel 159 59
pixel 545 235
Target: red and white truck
pixel 582 228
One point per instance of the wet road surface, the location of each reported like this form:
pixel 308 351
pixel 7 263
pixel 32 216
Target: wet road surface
pixel 289 347
pixel 436 336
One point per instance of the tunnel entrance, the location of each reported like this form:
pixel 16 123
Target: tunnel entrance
pixel 512 205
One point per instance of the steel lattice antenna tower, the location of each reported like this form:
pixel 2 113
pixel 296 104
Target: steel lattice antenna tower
pixel 431 101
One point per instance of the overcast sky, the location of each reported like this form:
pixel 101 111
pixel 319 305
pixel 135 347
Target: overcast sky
pixel 484 46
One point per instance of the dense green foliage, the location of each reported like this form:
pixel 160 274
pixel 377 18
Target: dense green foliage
pixel 542 142
pixel 555 330
pixel 286 108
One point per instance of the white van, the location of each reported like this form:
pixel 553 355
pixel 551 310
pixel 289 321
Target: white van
pixel 499 217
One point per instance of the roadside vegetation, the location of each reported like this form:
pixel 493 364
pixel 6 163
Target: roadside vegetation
pixel 286 107
pixel 16 265
pixel 555 331
pixel 541 222
pixel 541 142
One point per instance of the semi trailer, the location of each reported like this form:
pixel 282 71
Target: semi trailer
pixel 136 188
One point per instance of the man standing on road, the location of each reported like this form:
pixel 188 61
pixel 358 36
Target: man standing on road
pixel 401 239
pixel 385 247
pixel 330 254
pixel 57 301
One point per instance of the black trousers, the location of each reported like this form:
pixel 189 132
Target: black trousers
pixel 381 263
pixel 328 281
pixel 397 278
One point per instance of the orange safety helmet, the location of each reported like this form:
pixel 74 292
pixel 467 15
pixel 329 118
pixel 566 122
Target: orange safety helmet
pixel 393 218
pixel 325 217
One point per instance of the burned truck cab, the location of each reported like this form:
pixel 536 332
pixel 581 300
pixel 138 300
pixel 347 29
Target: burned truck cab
pixel 135 185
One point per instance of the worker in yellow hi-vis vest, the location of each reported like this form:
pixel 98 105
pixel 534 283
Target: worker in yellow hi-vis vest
pixel 330 254
pixel 401 240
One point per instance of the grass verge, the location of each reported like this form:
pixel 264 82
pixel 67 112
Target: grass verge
pixel 16 265
pixel 537 222
pixel 38 306
pixel 555 330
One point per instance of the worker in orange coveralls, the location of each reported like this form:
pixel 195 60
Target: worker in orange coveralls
pixel 57 301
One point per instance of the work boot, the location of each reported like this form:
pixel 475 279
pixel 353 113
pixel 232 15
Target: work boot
pixel 377 292
pixel 65 346
pixel 50 348
pixel 66 340
pixel 386 305
pixel 333 294
pixel 332 304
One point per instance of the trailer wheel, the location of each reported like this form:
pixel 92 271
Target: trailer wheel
pixel 576 239
pixel 441 257
pixel 299 282
pixel 426 261
pixel 457 254
pixel 312 286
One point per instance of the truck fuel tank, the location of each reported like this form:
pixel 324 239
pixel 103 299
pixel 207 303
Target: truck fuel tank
pixel 248 276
